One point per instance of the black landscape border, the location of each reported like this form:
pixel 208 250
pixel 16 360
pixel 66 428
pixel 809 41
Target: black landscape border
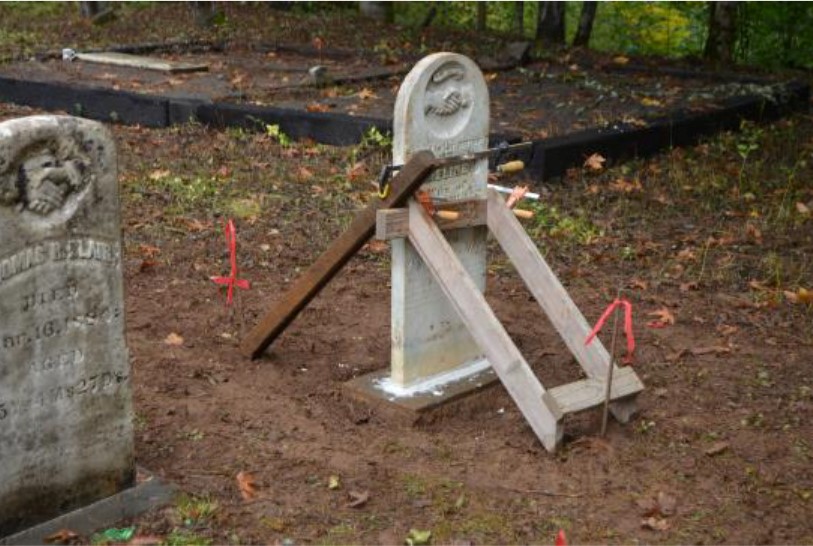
pixel 548 158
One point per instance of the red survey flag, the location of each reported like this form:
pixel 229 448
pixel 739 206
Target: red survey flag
pixel 231 281
pixel 627 326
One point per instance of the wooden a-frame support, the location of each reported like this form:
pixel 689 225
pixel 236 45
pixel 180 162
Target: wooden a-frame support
pixel 544 409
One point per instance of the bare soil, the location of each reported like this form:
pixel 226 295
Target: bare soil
pixel 721 450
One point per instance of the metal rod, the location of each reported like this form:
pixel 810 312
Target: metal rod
pixel 608 389
pixel 503 189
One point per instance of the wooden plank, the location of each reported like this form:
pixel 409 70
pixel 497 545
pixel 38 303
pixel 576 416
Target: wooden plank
pixel 589 393
pixel 333 259
pixel 144 63
pixel 394 223
pixel 546 288
pixel 485 328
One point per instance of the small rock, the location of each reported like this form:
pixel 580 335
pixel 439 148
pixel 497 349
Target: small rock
pixel 716 449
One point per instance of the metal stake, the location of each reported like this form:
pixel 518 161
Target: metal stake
pixel 607 392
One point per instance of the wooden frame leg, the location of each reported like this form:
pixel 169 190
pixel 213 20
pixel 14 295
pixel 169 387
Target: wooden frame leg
pixel 540 411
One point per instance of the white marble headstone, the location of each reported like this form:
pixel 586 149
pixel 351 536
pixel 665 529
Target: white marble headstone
pixel 442 106
pixel 66 435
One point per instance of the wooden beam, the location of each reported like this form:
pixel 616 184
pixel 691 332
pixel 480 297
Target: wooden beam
pixel 333 259
pixel 546 288
pixel 394 223
pixel 589 393
pixel 470 304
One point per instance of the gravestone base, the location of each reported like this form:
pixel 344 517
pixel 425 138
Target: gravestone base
pixel 148 492
pixel 427 395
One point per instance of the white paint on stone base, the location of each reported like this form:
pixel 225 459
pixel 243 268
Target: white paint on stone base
pixel 434 384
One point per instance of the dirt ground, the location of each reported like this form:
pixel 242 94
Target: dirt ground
pixel 714 240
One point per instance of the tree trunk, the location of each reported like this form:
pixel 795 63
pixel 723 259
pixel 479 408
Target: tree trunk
pixel 519 18
pixel 550 25
pixel 91 9
pixel 481 16
pixel 586 19
pixel 722 31
pixel 380 11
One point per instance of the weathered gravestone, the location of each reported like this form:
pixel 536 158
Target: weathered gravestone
pixel 66 434
pixel 442 106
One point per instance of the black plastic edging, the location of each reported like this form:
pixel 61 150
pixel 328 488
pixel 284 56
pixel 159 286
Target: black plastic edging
pixel 549 158
pixel 552 157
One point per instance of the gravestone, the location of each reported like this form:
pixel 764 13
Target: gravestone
pixel 442 106
pixel 66 435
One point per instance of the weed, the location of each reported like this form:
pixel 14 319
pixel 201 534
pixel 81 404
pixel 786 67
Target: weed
pixel 195 510
pixel 277 134
pixel 414 486
pixel 550 221
pixel 179 537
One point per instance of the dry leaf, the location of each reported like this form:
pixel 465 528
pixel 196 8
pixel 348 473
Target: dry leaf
pixel 802 209
pixel 145 540
pixel 247 484
pixel 63 536
pixel 625 186
pixel 318 42
pixel 317 107
pixel 664 316
pixel 688 286
pixel 149 251
pixel 358 498
pixel 621 60
pixel 655 524
pixel 638 283
pixel 803 296
pixel 303 173
pixel 595 162
pixel 367 93
pixel 677 355
pixel 666 504
pixel 158 174
pixel 147 265
pixel 647 101
pixel 716 449
pixel 333 482
pixel 725 330
pixel 687 255
pixel 753 232
pixel 173 339
pixel 358 170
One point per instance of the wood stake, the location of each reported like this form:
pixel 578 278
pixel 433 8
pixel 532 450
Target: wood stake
pixel 524 214
pixel 608 391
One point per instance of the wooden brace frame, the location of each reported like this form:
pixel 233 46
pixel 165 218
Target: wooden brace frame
pixel 543 409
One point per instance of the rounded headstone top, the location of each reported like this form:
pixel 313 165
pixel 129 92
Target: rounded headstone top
pixel 443 98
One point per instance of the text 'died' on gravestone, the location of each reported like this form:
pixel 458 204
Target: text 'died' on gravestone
pixel 65 398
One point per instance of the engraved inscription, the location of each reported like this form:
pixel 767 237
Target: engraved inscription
pixel 60 326
pixel 68 359
pixel 56 251
pixel 54 295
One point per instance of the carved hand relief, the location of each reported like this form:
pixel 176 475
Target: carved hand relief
pixel 448 97
pixel 44 175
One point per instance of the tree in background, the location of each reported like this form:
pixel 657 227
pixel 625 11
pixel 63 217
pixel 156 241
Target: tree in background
pixel 519 18
pixel 588 15
pixel 550 24
pixel 722 32
pixel 482 13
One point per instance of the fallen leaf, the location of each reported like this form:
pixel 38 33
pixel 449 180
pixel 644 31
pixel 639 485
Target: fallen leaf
pixel 655 524
pixel 595 162
pixel 677 355
pixel 358 498
pixel 147 265
pixel 63 536
pixel 638 283
pixel 317 107
pixel 417 537
pixel 192 224
pixel 173 339
pixel 716 449
pixel 367 93
pixel 247 485
pixel 753 232
pixel 333 482
pixel 725 330
pixel 318 42
pixel 688 286
pixel 664 316
pixel 149 251
pixel 802 209
pixel 303 173
pixel 621 185
pixel 158 174
pixel 377 247
pixel 358 170
pixel 647 506
pixel 648 101
pixel 802 296
pixel 667 504
pixel 687 255
pixel 621 60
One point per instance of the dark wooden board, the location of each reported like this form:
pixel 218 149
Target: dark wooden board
pixel 335 257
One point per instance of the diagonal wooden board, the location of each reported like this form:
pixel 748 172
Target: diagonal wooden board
pixel 335 257
pixel 546 288
pixel 461 291
pixel 137 61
